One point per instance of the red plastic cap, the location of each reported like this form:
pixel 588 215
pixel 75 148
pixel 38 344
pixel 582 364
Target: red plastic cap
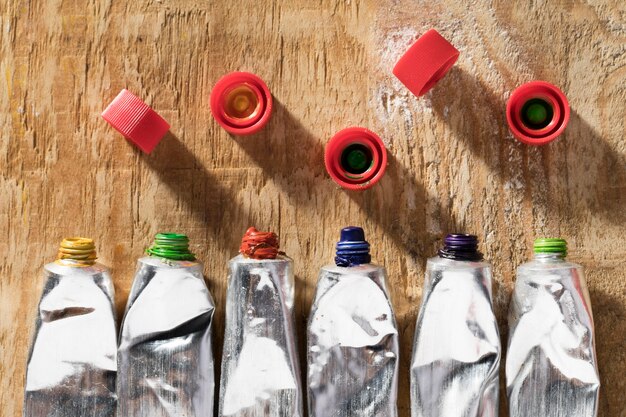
pixel 547 94
pixel 426 62
pixel 241 103
pixel 136 121
pixel 355 158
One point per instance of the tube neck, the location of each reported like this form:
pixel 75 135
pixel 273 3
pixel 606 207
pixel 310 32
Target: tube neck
pixel 461 247
pixel 171 246
pixel 352 248
pixel 550 257
pixel 77 251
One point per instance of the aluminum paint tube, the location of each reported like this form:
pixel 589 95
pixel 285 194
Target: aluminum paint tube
pixel 72 362
pixel 165 354
pixel 551 367
pixel 260 375
pixel 456 352
pixel 352 336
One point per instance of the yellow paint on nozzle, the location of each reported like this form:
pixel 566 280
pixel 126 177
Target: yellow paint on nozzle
pixel 79 249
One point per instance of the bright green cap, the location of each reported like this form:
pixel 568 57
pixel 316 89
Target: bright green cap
pixel 171 246
pixel 550 245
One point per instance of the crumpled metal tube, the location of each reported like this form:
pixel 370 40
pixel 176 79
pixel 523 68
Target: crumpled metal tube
pixel 353 346
pixel 456 353
pixel 260 374
pixel 165 354
pixel 72 362
pixel 551 366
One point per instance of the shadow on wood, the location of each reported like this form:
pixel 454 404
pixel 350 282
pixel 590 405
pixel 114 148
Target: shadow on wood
pixel 293 158
pixel 477 116
pixel 287 152
pixel 202 193
pixel 609 319
pixel 409 231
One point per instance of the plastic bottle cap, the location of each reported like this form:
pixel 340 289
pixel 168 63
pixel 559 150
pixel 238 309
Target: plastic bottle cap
pixel 241 103
pixel 426 62
pixel 134 119
pixel 537 112
pixel 355 158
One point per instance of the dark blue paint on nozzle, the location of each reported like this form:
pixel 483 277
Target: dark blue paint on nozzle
pixel 352 248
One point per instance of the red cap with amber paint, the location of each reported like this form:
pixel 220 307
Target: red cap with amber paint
pixel 134 119
pixel 537 112
pixel 241 103
pixel 355 158
pixel 426 62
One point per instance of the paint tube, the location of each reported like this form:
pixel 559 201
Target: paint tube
pixel 352 336
pixel 72 362
pixel 456 352
pixel 260 372
pixel 551 366
pixel 165 356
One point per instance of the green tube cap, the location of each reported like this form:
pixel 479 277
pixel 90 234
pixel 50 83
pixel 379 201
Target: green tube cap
pixel 547 245
pixel 172 246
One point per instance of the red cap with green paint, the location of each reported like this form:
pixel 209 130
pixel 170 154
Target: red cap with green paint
pixel 537 113
pixel 355 158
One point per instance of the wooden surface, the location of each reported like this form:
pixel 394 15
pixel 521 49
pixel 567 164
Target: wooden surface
pixel 453 164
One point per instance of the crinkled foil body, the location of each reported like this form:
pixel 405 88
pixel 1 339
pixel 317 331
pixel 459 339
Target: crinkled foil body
pixel 72 362
pixel 260 375
pixel 456 353
pixel 352 349
pixel 165 356
pixel 551 367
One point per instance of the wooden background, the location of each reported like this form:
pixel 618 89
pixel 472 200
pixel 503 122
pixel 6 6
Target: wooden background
pixel 454 166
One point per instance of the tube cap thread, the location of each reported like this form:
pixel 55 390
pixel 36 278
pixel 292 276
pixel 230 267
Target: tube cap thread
pixel 352 248
pixel 546 245
pixel 461 247
pixel 79 249
pixel 172 246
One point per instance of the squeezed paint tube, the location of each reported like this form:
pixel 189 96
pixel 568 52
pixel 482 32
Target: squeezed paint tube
pixel 456 352
pixel 352 337
pixel 260 375
pixel 551 366
pixel 165 356
pixel 72 362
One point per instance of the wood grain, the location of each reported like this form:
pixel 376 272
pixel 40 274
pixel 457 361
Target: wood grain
pixel 453 164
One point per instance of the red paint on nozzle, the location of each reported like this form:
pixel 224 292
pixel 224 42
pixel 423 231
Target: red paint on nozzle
pixel 426 62
pixel 355 158
pixel 259 245
pixel 134 119
pixel 241 103
pixel 550 100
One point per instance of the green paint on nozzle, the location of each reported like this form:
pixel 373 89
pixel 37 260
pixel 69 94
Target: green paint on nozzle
pixel 171 246
pixel 356 158
pixel 546 245
pixel 537 113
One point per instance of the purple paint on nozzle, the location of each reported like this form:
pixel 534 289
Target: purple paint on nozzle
pixel 461 247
